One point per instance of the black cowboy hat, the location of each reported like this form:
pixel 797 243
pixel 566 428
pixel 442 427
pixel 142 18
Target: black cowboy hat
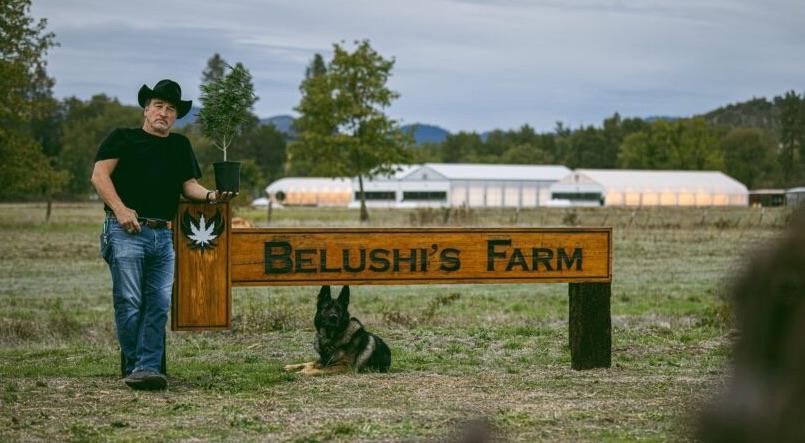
pixel 169 91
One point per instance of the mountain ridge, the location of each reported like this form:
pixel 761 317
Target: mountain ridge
pixel 757 112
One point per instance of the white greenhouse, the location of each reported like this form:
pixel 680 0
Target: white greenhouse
pixel 429 185
pixel 462 184
pixel 310 191
pixel 795 196
pixel 623 187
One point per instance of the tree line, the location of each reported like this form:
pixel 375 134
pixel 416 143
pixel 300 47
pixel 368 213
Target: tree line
pixel 770 153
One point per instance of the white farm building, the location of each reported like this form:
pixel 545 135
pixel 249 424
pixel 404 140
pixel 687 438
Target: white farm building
pixel 430 185
pixel 795 196
pixel 623 187
pixel 310 191
pixel 462 184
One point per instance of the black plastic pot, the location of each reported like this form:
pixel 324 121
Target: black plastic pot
pixel 227 176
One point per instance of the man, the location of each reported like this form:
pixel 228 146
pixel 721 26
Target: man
pixel 139 174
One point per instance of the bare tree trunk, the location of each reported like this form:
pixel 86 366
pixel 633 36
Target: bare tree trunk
pixel 49 209
pixel 364 212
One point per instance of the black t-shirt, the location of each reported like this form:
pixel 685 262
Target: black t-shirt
pixel 150 170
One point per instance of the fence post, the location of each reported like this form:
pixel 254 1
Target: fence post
pixel 590 324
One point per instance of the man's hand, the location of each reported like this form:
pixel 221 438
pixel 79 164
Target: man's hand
pixel 192 190
pixel 222 197
pixel 127 218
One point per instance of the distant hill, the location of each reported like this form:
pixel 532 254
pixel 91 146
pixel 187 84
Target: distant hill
pixel 424 133
pixel 755 113
pixel 283 123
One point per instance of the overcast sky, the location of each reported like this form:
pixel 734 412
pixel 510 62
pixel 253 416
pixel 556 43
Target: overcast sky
pixel 460 64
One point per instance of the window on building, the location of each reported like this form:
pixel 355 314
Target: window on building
pixel 577 196
pixel 377 195
pixel 425 195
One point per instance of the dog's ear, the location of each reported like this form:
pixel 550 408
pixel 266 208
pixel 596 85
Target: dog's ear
pixel 343 297
pixel 324 294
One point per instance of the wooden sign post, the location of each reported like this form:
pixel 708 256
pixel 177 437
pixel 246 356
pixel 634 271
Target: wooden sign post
pixel 211 258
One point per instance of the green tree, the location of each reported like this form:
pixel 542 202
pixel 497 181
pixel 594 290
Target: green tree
pixel 585 148
pixel 343 129
pixel 315 86
pixel 215 70
pixel 801 139
pixel 46 129
pixel 264 145
pixel 792 134
pixel 594 147
pixel 427 153
pixel 491 149
pixel 683 144
pixel 45 123
pixel 25 168
pixel 85 125
pixel 526 154
pixel 697 148
pixel 461 147
pixel 612 134
pixel 316 68
pixel 750 157
pixel 561 136
pixel 648 149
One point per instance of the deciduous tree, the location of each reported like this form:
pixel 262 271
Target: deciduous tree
pixel 792 134
pixel 750 157
pixel 85 124
pixel 24 42
pixel 343 129
pixel 683 144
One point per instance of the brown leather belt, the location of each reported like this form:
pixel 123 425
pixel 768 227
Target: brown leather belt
pixel 154 223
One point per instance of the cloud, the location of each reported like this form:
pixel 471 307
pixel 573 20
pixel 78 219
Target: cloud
pixel 463 64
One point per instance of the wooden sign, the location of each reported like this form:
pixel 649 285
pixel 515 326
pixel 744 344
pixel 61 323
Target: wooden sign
pixel 201 294
pixel 211 257
pixel 394 256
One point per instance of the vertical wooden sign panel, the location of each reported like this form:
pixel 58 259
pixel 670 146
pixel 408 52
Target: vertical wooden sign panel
pixel 202 288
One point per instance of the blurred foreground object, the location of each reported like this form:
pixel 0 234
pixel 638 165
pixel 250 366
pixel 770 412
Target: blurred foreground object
pixel 765 400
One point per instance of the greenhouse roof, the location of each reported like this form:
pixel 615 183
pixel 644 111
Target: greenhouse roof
pixel 622 180
pixel 287 183
pixel 477 171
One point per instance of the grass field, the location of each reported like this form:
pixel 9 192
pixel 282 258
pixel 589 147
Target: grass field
pixel 459 352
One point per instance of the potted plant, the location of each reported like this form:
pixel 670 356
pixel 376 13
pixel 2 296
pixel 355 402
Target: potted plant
pixel 226 104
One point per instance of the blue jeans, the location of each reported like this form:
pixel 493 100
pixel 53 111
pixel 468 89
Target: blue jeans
pixel 142 280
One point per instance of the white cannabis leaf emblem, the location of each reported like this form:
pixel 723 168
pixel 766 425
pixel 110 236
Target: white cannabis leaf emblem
pixel 201 232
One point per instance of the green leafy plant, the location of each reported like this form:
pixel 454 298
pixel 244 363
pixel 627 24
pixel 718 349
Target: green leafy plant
pixel 226 105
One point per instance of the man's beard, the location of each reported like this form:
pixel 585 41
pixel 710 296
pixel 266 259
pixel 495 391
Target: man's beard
pixel 160 125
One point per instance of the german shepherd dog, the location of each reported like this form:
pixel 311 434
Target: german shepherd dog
pixel 341 341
